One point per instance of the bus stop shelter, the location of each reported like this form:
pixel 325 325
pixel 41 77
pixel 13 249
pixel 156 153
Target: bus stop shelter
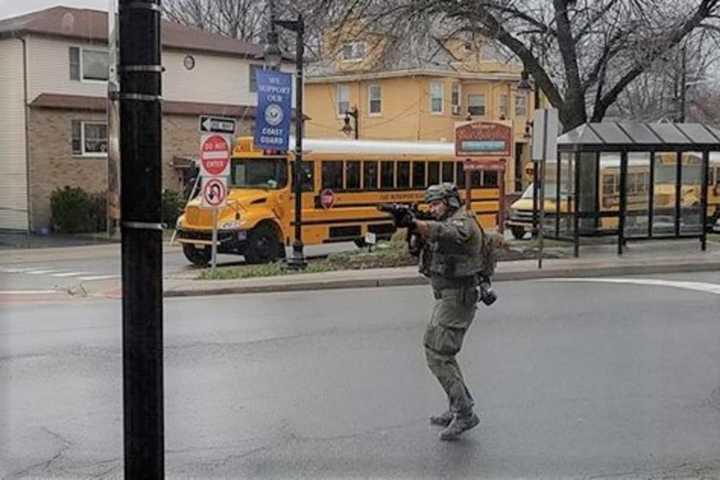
pixel 636 181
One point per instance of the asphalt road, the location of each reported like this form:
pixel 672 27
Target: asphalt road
pixel 573 379
pixel 38 271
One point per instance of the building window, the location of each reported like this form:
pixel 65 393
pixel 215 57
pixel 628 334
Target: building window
pixel 476 105
pixel 342 99
pixel 520 105
pixel 436 97
pixel 375 99
pixel 455 97
pixel 503 106
pixel 89 65
pixel 89 138
pixel 354 51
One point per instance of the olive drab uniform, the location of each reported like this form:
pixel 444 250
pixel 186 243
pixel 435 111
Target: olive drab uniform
pixel 451 260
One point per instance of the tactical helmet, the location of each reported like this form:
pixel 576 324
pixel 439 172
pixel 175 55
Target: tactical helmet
pixel 444 191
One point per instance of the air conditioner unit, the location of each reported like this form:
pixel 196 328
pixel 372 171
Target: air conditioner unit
pixel 456 109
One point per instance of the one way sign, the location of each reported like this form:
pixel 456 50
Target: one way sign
pixel 210 124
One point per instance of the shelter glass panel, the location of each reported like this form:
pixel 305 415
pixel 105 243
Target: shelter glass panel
pixel 637 186
pixel 640 133
pixel 587 191
pixel 669 133
pixel 697 132
pixel 664 193
pixel 611 133
pixel 691 193
pixel 549 187
pixel 567 194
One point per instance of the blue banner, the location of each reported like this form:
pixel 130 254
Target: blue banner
pixel 272 120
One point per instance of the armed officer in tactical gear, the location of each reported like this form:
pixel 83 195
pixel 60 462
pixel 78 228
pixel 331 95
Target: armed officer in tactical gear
pixel 451 259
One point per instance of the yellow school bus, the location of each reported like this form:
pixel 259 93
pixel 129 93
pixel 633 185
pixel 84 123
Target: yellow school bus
pixel 343 182
pixel 638 183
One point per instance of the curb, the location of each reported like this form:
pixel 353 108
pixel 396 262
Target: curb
pixel 403 281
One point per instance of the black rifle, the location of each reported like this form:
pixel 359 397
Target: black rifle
pixel 400 213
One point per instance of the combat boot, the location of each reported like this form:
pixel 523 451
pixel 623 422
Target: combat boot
pixel 458 425
pixel 442 420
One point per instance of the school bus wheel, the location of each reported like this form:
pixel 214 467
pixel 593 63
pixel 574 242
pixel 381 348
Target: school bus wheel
pixel 264 245
pixel 197 256
pixel 517 232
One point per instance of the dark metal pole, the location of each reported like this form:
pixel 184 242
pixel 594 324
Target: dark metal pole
pixel 678 192
pixel 683 84
pixel 141 143
pixel 623 201
pixel 651 195
pixel 357 124
pixel 298 259
pixel 576 207
pixel 704 199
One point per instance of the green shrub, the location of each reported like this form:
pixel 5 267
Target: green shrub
pixel 70 210
pixel 172 206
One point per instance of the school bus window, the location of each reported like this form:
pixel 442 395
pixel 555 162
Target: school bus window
pixel 448 172
pixel 460 174
pixel 609 184
pixel 352 175
pixel 258 173
pixel 490 178
pixel 308 185
pixel 418 176
pixel 387 172
pixel 370 175
pixel 476 178
pixel 332 175
pixel 403 175
pixel 433 173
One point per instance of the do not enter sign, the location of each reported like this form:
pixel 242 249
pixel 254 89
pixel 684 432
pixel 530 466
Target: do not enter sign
pixel 214 191
pixel 214 156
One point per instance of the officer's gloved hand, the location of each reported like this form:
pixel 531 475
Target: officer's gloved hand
pixel 407 220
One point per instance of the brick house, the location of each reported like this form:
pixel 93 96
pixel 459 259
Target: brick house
pixel 53 89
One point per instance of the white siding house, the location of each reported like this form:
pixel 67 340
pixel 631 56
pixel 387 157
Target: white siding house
pixel 53 93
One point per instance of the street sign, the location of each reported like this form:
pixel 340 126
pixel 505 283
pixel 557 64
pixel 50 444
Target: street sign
pixel 209 124
pixel 484 164
pixel 274 91
pixel 327 198
pixel 214 191
pixel 483 139
pixel 546 124
pixel 214 155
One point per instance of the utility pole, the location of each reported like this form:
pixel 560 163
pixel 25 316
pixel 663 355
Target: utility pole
pixel 142 303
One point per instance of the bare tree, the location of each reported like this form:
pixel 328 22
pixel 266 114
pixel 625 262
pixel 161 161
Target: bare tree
pixel 582 54
pixel 241 19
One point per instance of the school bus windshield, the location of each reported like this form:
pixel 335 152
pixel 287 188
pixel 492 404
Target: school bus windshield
pixel 258 173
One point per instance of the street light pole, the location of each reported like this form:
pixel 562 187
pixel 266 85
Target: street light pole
pixel 298 26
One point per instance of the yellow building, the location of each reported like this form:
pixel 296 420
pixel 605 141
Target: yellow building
pixel 415 96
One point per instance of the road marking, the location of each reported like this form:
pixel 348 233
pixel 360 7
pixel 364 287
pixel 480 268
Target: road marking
pixel 98 277
pixel 29 292
pixel 18 270
pixel 697 286
pixel 41 272
pixel 71 274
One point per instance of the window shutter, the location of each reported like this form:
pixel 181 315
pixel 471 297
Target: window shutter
pixel 76 139
pixel 74 63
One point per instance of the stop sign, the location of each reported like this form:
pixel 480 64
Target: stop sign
pixel 214 156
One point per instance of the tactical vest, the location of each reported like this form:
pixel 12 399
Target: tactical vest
pixel 454 260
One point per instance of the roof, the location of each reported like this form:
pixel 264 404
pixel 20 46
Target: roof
pixel 92 26
pixel 376 147
pixel 99 104
pixel 615 136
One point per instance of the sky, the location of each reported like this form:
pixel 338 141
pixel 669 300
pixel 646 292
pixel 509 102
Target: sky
pixel 13 8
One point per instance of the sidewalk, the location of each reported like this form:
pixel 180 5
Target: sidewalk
pixel 597 260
